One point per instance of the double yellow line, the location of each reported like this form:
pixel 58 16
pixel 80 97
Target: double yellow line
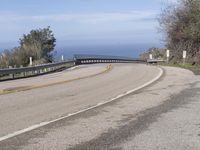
pixel 26 88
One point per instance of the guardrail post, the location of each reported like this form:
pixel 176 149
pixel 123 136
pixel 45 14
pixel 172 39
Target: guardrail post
pixel 11 75
pixel 22 73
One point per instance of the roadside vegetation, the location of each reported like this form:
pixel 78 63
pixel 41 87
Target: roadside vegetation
pixel 180 25
pixel 158 53
pixel 194 68
pixel 185 66
pixel 38 44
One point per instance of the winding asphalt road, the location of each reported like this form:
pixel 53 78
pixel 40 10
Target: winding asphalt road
pixel 57 116
pixel 29 107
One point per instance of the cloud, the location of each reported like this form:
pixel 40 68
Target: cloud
pixel 173 1
pixel 92 18
pixel 169 1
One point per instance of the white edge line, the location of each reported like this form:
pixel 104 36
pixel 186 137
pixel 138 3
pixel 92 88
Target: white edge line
pixel 81 111
pixel 72 68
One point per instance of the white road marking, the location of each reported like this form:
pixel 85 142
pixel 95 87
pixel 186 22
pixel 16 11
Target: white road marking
pixel 81 111
pixel 72 68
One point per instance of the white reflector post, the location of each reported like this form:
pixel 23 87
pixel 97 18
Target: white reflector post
pixel 184 56
pixel 31 61
pixel 167 54
pixel 150 56
pixel 62 58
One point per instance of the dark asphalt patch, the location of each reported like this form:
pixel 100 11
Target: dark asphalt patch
pixel 114 137
pixel 195 71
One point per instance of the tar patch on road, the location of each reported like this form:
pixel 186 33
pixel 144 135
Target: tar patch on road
pixel 195 71
pixel 113 137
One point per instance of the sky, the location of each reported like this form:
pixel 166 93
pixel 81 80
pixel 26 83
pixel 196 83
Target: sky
pixel 83 22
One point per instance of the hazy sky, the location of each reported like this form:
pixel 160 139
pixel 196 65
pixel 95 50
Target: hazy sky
pixel 82 21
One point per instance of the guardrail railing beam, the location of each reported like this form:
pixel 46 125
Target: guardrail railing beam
pixel 12 73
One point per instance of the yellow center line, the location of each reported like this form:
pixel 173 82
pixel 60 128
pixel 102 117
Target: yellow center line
pixel 19 89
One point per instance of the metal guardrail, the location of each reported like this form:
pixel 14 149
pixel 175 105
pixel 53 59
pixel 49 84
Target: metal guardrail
pixel 13 73
pixel 155 60
pixel 89 59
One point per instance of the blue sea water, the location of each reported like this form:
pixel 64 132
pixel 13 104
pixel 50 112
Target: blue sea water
pixel 114 50
pixel 133 50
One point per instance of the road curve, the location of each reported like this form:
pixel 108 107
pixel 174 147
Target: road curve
pixel 51 79
pixel 23 109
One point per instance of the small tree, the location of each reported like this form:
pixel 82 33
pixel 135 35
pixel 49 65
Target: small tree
pixel 5 58
pixel 39 44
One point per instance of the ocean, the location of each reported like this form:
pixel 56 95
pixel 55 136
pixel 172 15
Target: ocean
pixel 114 50
pixel 133 50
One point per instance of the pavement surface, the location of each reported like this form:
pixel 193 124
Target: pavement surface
pixel 164 115
pixel 68 75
